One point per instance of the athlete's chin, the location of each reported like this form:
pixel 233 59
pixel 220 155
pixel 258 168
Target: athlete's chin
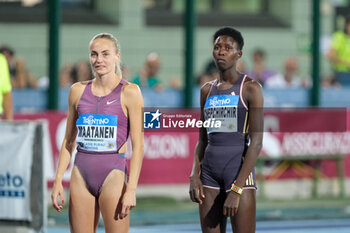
pixel 100 72
pixel 223 67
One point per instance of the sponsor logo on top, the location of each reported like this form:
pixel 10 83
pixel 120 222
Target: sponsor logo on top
pixel 90 120
pixel 222 100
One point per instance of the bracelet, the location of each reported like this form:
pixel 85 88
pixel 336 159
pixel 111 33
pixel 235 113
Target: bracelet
pixel 236 189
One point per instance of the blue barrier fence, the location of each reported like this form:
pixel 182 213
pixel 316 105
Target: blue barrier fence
pixel 30 100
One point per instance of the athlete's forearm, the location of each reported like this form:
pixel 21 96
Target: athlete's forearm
pixel 249 163
pixel 135 167
pixel 62 167
pixel 64 159
pixel 198 157
pixel 195 166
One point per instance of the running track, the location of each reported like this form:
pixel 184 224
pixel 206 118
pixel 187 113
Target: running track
pixel 307 226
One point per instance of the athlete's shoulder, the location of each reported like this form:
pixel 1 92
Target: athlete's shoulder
pixel 76 90
pixel 251 84
pixel 131 90
pixel 131 87
pixel 78 86
pixel 207 86
pixel 252 92
pixel 131 95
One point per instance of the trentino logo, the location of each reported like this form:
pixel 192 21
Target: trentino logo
pixel 151 120
pixel 215 101
pixel 90 120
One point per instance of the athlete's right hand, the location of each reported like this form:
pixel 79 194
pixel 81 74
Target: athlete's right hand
pixel 57 190
pixel 196 189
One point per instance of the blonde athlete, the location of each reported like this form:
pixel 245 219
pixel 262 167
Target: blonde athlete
pixel 101 114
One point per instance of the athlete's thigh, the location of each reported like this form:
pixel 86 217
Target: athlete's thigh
pixel 110 202
pixel 245 220
pixel 83 207
pixel 211 211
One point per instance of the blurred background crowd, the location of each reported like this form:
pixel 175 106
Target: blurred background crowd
pixel 277 34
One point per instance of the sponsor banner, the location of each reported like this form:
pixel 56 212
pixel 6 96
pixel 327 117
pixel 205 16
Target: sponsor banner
pixel 54 126
pixel 168 157
pixel 306 144
pixel 16 146
pixel 169 151
pixel 291 120
pixel 306 132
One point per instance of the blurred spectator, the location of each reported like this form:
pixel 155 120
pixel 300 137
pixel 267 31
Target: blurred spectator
pixel 329 81
pixel 19 74
pixel 66 76
pixel 72 73
pixel 43 82
pixel 289 77
pixel 175 83
pixel 260 72
pixel 6 108
pixel 81 71
pixel 339 54
pixel 148 73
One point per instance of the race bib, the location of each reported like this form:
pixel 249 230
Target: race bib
pixel 97 132
pixel 222 108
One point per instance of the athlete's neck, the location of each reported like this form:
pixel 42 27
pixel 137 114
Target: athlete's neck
pixel 103 85
pixel 229 76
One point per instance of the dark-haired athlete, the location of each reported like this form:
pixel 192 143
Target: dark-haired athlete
pixel 223 178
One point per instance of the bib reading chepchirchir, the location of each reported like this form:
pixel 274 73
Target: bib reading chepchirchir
pixel 222 108
pixel 97 132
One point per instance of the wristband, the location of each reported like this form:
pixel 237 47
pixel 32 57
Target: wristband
pixel 236 189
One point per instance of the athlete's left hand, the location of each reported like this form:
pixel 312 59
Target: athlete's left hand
pixel 231 204
pixel 128 202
